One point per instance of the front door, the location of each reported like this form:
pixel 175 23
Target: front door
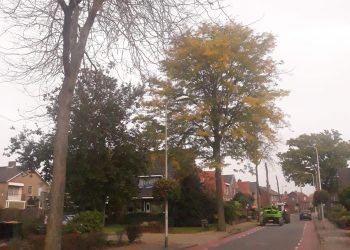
pixel 147 206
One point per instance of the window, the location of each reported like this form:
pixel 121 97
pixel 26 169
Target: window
pixel 30 189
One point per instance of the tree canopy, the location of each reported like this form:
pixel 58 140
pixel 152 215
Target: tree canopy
pixel 229 79
pixel 300 159
pixel 104 155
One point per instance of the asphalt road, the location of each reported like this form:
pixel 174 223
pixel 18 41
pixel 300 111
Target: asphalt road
pixel 270 237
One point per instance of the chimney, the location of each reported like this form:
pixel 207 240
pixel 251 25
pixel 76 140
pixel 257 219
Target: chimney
pixel 12 164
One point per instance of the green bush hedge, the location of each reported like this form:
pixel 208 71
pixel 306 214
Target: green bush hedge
pixel 86 222
pixel 88 241
pixel 339 215
pixel 138 218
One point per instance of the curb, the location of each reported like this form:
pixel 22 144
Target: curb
pixel 320 238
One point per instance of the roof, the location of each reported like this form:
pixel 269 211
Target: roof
pixel 7 173
pixel 272 192
pixel 228 178
pixel 244 187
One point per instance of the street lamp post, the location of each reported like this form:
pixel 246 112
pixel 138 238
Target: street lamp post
pixel 166 176
pixel 319 187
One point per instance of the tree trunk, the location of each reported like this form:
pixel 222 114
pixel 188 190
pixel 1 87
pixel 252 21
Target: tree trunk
pixel 220 200
pixel 218 182
pixel 54 225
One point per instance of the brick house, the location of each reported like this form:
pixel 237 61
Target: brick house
pixel 19 189
pixel 229 186
pixel 250 188
pixel 297 201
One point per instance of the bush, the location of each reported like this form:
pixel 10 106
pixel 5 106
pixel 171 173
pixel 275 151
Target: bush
pixel 166 189
pixel 86 222
pixel 133 232
pixel 339 215
pixel 321 196
pixel 344 197
pixel 233 211
pixel 139 218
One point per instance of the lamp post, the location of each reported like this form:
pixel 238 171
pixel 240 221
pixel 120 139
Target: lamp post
pixel 166 239
pixel 319 179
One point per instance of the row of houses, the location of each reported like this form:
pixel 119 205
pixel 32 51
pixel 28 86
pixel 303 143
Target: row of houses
pixel 230 187
pixel 20 189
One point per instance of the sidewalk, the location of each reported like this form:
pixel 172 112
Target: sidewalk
pixel 155 241
pixel 331 237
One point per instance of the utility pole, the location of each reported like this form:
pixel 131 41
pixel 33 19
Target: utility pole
pixel 267 185
pixel 278 189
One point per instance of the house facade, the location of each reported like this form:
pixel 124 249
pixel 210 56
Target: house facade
pixel 298 201
pixel 207 179
pixel 20 189
pixel 265 196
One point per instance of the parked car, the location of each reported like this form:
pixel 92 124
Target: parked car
pixel 305 215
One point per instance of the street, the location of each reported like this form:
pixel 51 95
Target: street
pixel 298 235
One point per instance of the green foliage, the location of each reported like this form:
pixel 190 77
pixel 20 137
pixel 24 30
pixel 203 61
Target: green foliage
pixel 339 216
pixel 321 196
pixel 166 189
pixel 244 199
pixel 333 153
pixel 344 197
pixel 233 210
pixel 139 218
pixel 193 205
pixel 88 241
pixel 133 232
pixel 87 221
pixel 104 156
pixel 229 77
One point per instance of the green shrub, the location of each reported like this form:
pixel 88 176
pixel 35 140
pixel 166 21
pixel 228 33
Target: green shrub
pixel 166 189
pixel 139 218
pixel 86 222
pixel 344 197
pixel 338 215
pixel 90 241
pixel 321 196
pixel 133 232
pixel 233 211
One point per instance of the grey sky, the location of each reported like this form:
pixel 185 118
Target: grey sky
pixel 313 40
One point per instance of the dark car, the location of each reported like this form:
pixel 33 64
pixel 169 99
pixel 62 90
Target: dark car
pixel 305 215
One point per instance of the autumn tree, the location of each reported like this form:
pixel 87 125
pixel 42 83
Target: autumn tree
pixel 53 38
pixel 300 159
pixel 229 79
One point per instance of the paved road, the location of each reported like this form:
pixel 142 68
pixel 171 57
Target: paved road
pixel 296 235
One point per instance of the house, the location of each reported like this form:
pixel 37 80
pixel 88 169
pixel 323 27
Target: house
pixel 19 189
pixel 144 201
pixel 298 201
pixel 207 179
pixel 250 188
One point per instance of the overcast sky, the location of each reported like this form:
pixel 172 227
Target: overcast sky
pixel 313 40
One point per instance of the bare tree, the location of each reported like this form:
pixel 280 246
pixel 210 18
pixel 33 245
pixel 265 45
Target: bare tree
pixel 54 37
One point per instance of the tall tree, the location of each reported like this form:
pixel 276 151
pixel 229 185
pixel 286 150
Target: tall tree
pixel 300 159
pixel 104 156
pixel 55 36
pixel 229 79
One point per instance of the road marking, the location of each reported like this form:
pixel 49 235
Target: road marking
pixel 302 237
